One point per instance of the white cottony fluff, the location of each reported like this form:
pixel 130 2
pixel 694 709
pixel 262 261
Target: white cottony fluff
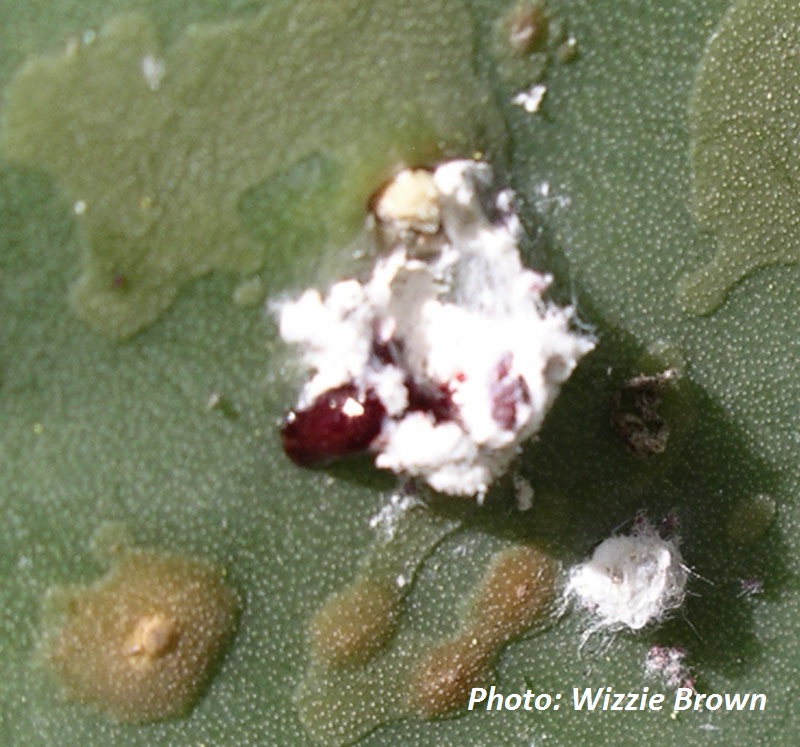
pixel 463 318
pixel 630 580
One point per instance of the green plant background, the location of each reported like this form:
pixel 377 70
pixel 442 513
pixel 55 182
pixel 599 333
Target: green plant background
pixel 95 431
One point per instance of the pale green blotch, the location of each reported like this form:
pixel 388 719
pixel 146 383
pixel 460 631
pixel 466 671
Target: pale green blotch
pixel 751 518
pixel 155 147
pixel 249 293
pixel 744 129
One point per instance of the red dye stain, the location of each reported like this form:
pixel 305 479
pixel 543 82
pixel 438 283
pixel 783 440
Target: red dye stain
pixel 506 392
pixel 423 395
pixel 340 422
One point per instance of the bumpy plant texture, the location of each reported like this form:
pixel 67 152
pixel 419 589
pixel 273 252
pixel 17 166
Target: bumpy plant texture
pixel 744 112
pixel 177 163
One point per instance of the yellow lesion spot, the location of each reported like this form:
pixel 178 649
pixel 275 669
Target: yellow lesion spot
pixel 140 643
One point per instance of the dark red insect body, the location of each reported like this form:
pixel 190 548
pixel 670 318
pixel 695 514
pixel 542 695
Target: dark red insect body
pixel 341 422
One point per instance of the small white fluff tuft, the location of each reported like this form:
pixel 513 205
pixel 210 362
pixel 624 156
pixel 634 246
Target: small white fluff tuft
pixel 630 581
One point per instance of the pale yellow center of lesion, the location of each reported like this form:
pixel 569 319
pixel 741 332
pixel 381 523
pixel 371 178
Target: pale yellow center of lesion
pixel 153 637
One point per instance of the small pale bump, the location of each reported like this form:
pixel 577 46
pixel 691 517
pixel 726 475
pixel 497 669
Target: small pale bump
pixel 528 38
pixel 249 293
pixel 526 27
pixel 153 637
pixel 411 201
